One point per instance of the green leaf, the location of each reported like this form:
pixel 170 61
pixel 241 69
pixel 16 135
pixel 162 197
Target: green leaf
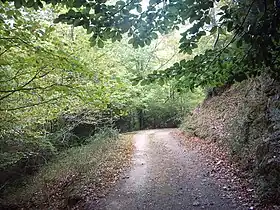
pixel 53 2
pixel 125 27
pixel 86 10
pixel 154 35
pixel 71 13
pixel 145 82
pixel 40 4
pixel 207 20
pixel 131 41
pixel 148 41
pixel 18 4
pixel 202 33
pixel 120 3
pixel 135 82
pixel 114 39
pixel 118 37
pixel 111 34
pixel 194 45
pixel 194 29
pixel 92 39
pixel 77 22
pixel 205 6
pixel 135 44
pixel 29 3
pixel 139 9
pixel 183 62
pixel 130 33
pixel 239 43
pixel 189 51
pixel 59 18
pixel 56 20
pixel 195 17
pixel 100 43
pixel 224 7
pixel 173 9
pixel 230 26
pixel 90 30
pixel 211 4
pixel 78 3
pixel 221 31
pixel 125 11
pixel 161 82
pixel 92 43
pixel 213 30
pixel 141 43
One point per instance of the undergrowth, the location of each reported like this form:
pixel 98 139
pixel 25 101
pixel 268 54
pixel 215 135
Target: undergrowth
pixel 75 175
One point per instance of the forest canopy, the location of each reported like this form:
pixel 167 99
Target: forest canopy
pixel 246 33
pixel 57 90
pixel 72 69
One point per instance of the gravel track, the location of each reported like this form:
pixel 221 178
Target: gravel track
pixel 165 176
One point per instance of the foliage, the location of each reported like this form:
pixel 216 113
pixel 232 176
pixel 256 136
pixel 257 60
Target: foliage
pixel 58 92
pixel 56 81
pixel 39 67
pixel 61 183
pixel 166 108
pixel 42 78
pixel 60 86
pixel 22 153
pixel 252 27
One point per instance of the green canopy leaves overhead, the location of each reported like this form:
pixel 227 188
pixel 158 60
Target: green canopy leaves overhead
pixel 251 27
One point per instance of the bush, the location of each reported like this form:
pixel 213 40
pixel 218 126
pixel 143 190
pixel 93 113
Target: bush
pixel 22 154
pixel 74 173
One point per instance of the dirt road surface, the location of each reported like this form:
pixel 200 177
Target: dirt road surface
pixel 165 176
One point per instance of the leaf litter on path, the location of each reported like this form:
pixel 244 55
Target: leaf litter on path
pixel 232 178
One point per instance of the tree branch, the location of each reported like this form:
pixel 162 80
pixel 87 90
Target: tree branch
pixel 35 88
pixel 31 105
pixel 235 35
pixel 24 85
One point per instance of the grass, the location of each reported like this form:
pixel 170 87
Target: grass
pixel 75 176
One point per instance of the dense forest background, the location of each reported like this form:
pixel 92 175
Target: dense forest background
pixel 76 73
pixel 59 92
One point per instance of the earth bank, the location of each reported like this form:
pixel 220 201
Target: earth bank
pixel 246 119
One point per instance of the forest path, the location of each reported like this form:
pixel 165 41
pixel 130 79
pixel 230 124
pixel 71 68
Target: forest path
pixel 165 175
